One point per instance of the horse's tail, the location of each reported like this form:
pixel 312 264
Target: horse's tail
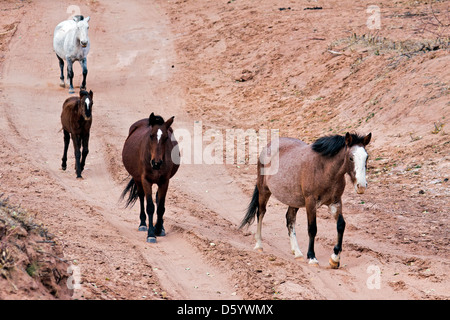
pixel 251 210
pixel 131 188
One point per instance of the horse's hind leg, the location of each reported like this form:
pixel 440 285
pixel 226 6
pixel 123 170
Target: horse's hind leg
pixel 264 195
pixel 291 216
pixel 66 147
pixel 61 66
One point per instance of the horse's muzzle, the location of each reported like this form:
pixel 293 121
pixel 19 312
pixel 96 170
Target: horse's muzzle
pixel 84 44
pixel 156 165
pixel 360 189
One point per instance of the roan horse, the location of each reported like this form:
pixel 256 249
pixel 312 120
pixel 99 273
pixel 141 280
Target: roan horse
pixel 151 156
pixel 309 176
pixel 76 120
pixel 71 43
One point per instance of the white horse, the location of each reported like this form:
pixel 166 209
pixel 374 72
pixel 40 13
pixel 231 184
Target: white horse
pixel 71 43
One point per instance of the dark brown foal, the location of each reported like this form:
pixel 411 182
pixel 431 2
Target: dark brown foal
pixel 76 120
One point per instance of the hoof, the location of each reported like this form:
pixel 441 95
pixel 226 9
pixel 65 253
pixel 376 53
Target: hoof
pixel 71 91
pixel 333 264
pixel 259 249
pixel 162 233
pixel 62 84
pixel 142 228
pixel 313 262
pixel 334 261
pixel 299 258
pixel 63 168
pixel 151 239
pixel 298 255
pixel 80 178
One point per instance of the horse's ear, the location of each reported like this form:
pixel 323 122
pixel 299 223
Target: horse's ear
pixel 87 19
pixel 348 139
pixel 91 94
pixel 367 138
pixel 152 119
pixel 169 122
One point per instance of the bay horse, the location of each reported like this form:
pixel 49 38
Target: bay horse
pixel 309 176
pixel 76 120
pixel 151 156
pixel 71 43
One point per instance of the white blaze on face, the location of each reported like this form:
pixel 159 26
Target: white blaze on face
pixel 88 103
pixel 359 158
pixel 159 134
pixel 83 27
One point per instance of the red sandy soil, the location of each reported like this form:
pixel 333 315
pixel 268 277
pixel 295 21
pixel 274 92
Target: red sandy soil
pixel 235 65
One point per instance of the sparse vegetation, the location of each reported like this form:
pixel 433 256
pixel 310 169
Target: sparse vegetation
pixel 23 260
pixel 378 45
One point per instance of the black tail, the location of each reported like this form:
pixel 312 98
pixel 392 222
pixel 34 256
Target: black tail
pixel 251 210
pixel 133 196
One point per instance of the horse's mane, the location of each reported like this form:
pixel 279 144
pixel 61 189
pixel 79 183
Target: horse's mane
pixel 329 146
pixel 154 119
pixel 78 18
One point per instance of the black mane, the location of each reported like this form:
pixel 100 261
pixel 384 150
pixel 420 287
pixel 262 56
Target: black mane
pixel 78 18
pixel 155 120
pixel 330 146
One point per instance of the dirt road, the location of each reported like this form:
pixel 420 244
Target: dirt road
pixel 133 68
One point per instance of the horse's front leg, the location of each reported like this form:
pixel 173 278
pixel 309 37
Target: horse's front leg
pixel 61 66
pixel 76 139
pixel 66 147
pixel 85 151
pixel 85 72
pixel 161 200
pixel 151 237
pixel 70 74
pixel 336 210
pixel 310 205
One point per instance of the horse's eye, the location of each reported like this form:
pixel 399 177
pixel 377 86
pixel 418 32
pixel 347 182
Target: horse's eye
pixel 351 159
